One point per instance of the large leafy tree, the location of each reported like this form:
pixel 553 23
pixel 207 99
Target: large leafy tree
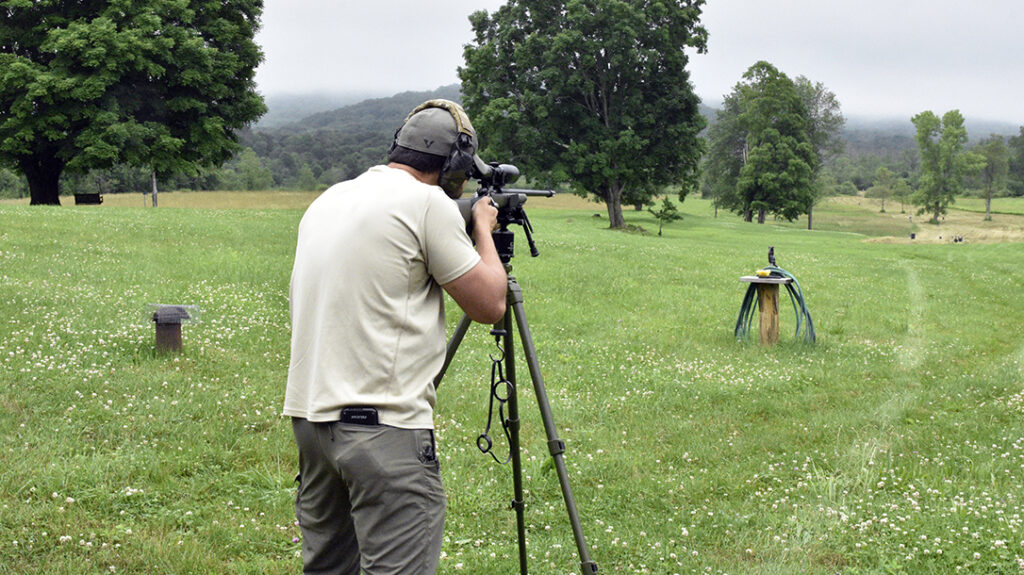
pixel 825 121
pixel 594 93
pixel 995 170
pixel 944 161
pixel 762 158
pixel 156 83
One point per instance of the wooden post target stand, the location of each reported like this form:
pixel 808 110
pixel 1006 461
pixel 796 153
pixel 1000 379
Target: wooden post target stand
pixel 768 304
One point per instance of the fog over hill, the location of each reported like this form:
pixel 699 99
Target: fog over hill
pixel 302 112
pixel 284 109
pixel 336 137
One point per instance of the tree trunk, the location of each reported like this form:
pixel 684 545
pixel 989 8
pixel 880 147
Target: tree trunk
pixel 43 175
pixel 748 215
pixel 613 199
pixel 810 217
pixel 761 214
pixel 988 207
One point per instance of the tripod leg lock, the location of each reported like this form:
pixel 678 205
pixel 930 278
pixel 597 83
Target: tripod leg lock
pixel 556 447
pixel 588 567
pixel 517 505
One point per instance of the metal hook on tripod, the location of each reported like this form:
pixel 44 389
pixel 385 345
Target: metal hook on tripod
pixel 498 334
pixel 483 441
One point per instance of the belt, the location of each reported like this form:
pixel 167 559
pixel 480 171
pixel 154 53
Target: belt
pixel 359 415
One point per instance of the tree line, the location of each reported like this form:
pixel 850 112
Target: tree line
pixel 775 148
pixel 335 145
pixel 310 154
pixel 593 96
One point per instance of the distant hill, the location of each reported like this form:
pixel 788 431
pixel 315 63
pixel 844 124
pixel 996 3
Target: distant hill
pixel 339 136
pixel 284 109
pixel 364 115
pixel 336 143
pixel 976 129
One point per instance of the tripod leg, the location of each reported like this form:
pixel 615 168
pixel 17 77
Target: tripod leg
pixel 453 346
pixel 512 424
pixel 555 445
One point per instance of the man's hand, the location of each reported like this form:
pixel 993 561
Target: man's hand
pixel 481 291
pixel 485 216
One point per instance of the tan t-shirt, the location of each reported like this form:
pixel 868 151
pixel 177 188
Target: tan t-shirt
pixel 366 303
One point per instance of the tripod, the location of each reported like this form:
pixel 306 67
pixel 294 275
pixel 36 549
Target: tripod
pixel 514 312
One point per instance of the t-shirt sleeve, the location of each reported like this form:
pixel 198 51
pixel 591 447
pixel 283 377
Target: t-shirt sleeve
pixel 449 251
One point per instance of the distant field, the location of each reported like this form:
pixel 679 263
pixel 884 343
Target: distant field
pixel 896 225
pixel 839 214
pixel 1013 206
pixel 264 200
pixel 894 445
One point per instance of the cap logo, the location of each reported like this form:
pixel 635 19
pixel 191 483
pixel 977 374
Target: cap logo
pixel 428 143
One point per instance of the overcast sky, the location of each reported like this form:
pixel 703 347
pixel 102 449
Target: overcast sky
pixel 880 57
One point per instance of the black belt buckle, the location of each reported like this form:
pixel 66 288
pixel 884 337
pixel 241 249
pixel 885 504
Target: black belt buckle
pixel 359 415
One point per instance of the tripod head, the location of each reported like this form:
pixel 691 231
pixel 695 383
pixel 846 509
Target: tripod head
pixel 508 201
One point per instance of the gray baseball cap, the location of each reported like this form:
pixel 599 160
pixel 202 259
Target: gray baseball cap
pixel 433 128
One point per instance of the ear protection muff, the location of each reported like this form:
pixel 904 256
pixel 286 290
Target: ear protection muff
pixel 461 160
pixel 458 167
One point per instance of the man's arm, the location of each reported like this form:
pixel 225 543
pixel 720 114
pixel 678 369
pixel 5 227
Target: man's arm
pixel 481 292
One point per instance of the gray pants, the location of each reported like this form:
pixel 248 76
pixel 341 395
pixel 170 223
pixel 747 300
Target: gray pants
pixel 369 497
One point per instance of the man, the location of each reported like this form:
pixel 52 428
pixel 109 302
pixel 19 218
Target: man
pixel 368 337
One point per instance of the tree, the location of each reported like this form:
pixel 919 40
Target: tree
pixel 666 213
pixel 762 157
pixel 594 93
pixel 847 188
pixel 884 184
pixel 246 172
pixel 1015 177
pixel 778 161
pixel 993 174
pixel 902 191
pixel 307 181
pixel 944 162
pixel 824 122
pixel 149 83
pixel 727 151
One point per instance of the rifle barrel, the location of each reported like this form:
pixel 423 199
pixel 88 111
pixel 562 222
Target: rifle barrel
pixel 543 193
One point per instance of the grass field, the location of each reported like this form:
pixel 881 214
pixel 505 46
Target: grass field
pixel 1012 206
pixel 894 445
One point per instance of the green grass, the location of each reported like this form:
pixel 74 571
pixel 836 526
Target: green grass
pixel 1014 206
pixel 893 445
